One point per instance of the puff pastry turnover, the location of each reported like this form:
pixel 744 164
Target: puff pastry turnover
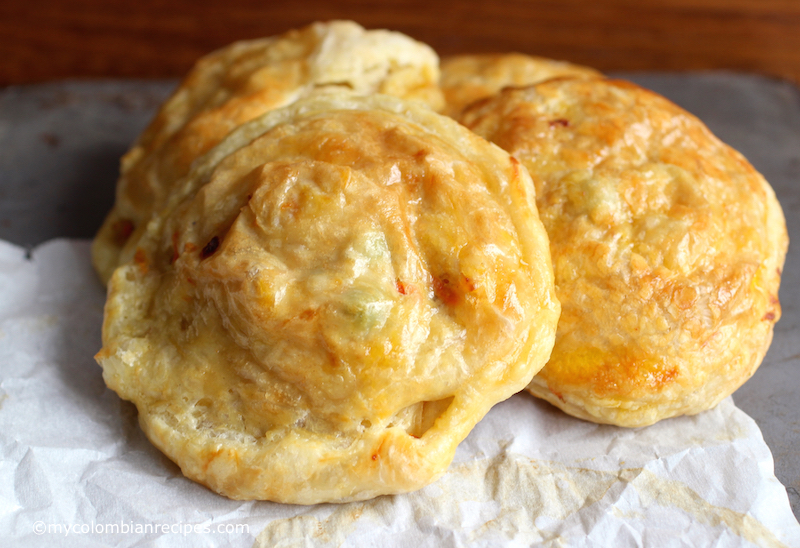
pixel 468 78
pixel 667 247
pixel 330 301
pixel 239 83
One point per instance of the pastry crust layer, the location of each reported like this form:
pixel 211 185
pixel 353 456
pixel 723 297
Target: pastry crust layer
pixel 469 78
pixel 330 301
pixel 667 247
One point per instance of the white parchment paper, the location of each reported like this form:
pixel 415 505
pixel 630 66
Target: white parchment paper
pixel 75 469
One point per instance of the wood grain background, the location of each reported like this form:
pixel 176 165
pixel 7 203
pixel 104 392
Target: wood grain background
pixel 55 39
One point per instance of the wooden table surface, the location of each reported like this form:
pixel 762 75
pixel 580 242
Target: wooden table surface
pixel 55 39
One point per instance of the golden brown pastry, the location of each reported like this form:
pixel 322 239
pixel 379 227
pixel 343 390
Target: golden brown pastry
pixel 241 82
pixel 667 247
pixel 468 78
pixel 331 300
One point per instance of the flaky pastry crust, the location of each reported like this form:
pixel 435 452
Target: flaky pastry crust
pixel 241 82
pixel 330 301
pixel 667 247
pixel 468 78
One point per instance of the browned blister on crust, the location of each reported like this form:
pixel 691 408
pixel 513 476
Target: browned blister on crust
pixel 241 82
pixel 667 247
pixel 331 300
pixel 469 78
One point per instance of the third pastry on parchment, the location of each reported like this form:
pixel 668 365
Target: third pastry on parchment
pixel 667 247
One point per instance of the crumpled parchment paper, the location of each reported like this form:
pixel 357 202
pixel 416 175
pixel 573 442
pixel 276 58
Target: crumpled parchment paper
pixel 76 470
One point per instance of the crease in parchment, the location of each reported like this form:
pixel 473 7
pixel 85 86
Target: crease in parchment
pixel 524 500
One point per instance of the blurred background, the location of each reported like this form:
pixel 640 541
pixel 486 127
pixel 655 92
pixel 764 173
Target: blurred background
pixel 47 40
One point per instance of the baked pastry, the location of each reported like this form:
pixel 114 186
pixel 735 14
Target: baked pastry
pixel 330 301
pixel 468 78
pixel 667 247
pixel 241 82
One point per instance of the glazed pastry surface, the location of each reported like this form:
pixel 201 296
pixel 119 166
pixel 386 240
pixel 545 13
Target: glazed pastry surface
pixel 330 301
pixel 667 247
